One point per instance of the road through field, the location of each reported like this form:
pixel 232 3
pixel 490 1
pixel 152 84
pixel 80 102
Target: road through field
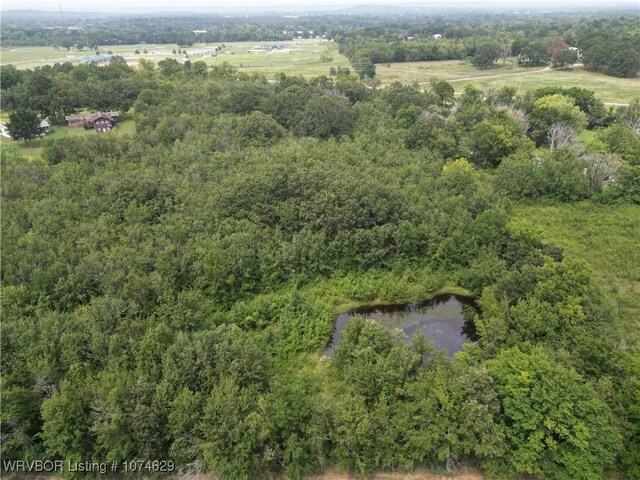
pixel 546 69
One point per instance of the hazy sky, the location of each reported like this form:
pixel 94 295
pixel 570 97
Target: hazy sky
pixel 218 5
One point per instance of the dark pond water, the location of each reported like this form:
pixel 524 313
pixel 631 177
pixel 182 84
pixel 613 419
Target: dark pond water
pixel 440 319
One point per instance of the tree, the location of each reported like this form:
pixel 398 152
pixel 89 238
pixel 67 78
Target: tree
pixel 233 430
pixel 553 109
pixel 199 68
pixel 601 169
pixel 66 430
pixel 405 117
pixel 444 91
pixel 565 58
pixel 505 51
pixel 39 87
pixel 23 125
pixel 10 76
pixel 556 425
pixel 486 54
pixel 432 132
pixel 627 185
pixel 622 141
pixel 630 115
pixel 325 117
pixel 616 58
pixel 561 135
pixel 258 129
pixel 285 105
pixel 534 54
pixel 364 67
pixel 489 142
pixel 169 67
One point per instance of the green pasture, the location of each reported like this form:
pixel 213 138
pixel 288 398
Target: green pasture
pixel 606 238
pixel 30 57
pixel 445 69
pixel 461 73
pixel 305 57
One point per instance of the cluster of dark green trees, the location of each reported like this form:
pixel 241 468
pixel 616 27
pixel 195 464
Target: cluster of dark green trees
pixel 167 295
pixel 62 89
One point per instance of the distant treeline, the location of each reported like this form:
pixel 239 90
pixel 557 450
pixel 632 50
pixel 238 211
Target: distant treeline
pixel 610 45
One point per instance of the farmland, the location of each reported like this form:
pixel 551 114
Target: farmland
pixel 461 73
pixel 304 57
pixel 311 58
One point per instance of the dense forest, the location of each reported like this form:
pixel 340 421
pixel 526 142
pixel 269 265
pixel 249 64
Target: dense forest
pixel 168 294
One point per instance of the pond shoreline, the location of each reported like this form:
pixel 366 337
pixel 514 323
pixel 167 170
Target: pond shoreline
pixel 440 318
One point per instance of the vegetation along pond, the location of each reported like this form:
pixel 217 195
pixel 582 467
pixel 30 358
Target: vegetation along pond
pixel 441 319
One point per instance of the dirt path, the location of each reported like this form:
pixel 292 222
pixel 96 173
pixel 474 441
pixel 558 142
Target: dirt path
pixel 526 72
pixel 523 72
pixel 462 474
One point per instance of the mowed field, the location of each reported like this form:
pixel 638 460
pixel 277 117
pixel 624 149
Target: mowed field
pixel 303 57
pixel 606 238
pixel 461 73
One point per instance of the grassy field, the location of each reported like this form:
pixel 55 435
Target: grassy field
pixel 461 73
pixel 604 236
pixel 304 57
pixel 585 137
pixel 34 149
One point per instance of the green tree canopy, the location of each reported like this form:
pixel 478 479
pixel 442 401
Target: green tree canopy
pixel 23 125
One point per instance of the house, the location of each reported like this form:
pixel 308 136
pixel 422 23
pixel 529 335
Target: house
pixel 437 36
pixel 45 127
pixel 96 58
pixel 76 120
pixel 577 50
pixel 100 121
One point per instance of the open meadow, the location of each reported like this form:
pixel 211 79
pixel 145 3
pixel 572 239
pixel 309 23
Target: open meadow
pixel 606 238
pixel 461 73
pixel 303 57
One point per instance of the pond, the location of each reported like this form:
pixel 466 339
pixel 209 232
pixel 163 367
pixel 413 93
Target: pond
pixel 441 319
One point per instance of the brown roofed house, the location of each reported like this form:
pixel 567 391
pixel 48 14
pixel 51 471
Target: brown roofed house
pixel 100 121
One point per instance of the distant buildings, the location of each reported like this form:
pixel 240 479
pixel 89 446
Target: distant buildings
pixel 271 48
pixel 96 58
